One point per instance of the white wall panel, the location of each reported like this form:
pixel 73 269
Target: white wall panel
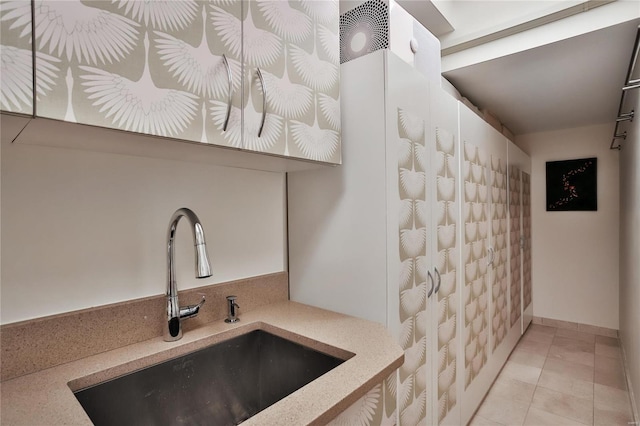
pixel 630 249
pixel 82 229
pixel 575 254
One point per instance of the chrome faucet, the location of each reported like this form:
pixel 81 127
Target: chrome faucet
pixel 173 329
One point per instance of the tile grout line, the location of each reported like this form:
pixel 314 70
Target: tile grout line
pixel 546 356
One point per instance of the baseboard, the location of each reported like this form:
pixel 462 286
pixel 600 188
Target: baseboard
pixel 585 328
pixel 632 398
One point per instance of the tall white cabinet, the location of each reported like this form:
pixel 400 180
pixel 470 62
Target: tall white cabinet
pixel 489 334
pixel 422 130
pixel 377 237
pixel 413 231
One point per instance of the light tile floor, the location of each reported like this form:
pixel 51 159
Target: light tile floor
pixel 558 377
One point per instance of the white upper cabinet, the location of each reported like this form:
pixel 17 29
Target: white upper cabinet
pixel 254 75
pixel 17 59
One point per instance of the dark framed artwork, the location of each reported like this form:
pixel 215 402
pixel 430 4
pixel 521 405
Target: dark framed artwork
pixel 572 185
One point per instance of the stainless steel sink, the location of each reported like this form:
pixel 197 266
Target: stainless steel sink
pixel 223 384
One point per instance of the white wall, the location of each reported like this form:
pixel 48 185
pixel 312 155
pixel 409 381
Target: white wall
pixel 338 216
pixel 575 254
pixel 630 246
pixel 82 228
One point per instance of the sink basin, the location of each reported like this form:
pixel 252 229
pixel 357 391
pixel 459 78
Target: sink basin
pixel 223 384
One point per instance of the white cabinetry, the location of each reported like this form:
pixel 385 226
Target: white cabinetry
pixel 376 238
pixel 520 237
pixel 444 199
pixel 412 232
pixel 488 335
pixel 254 75
pixel 495 315
pixel 527 294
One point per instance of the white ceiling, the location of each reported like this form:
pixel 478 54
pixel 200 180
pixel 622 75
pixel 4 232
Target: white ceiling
pixel 536 65
pixel 569 83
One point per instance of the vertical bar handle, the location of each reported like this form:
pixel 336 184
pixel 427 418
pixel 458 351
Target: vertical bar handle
pixel 431 280
pixel 264 102
pixel 230 79
pixel 439 279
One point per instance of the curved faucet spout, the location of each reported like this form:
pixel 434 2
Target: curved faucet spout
pixel 173 329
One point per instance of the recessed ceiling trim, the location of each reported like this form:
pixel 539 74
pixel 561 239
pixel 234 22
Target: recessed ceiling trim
pixel 428 15
pixel 525 26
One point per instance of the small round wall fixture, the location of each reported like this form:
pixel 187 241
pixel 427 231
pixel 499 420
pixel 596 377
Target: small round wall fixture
pixel 413 45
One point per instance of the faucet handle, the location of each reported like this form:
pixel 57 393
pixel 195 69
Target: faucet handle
pixel 191 311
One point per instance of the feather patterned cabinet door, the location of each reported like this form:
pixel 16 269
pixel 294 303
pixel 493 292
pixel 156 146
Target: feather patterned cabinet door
pixel 145 67
pixel 444 201
pixel 16 85
pixel 253 75
pixel 423 141
pixel 490 291
pixel 377 237
pixel 291 59
pixel 413 232
pixel 408 155
pixel 521 308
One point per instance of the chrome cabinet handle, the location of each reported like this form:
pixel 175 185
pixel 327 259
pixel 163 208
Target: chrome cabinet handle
pixel 439 280
pixel 264 102
pixel 230 79
pixel 491 256
pixel 430 279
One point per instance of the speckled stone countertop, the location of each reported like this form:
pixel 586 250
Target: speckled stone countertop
pixel 46 397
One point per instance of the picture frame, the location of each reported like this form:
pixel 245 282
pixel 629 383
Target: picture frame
pixel 572 185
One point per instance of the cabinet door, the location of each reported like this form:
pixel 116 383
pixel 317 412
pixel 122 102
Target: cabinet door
pixel 291 60
pixel 484 255
pixel 515 251
pixel 16 85
pixel 499 249
pixel 443 198
pixel 527 296
pixel 408 241
pixel 476 294
pixel 148 67
pixel 519 169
